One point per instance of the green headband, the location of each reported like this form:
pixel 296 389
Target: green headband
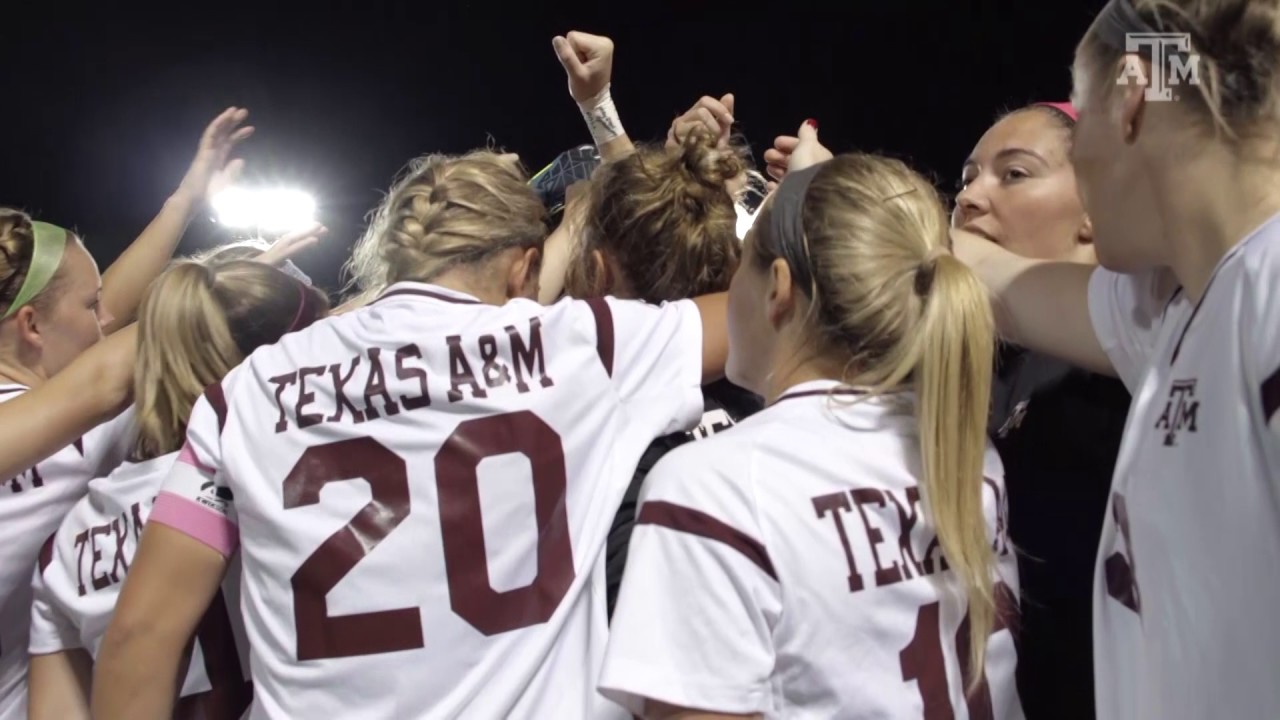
pixel 50 241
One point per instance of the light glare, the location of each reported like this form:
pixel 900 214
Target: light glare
pixel 272 210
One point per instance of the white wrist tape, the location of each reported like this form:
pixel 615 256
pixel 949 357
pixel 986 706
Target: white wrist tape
pixel 602 118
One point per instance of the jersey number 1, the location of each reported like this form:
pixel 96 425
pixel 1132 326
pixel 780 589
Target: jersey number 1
pixel 471 595
pixel 922 660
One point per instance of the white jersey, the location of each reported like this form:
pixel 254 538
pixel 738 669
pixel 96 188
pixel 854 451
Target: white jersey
pixel 787 567
pixel 421 491
pixel 1188 571
pixel 32 505
pixel 83 567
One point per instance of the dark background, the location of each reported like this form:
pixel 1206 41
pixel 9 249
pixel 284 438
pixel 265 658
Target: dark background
pixel 104 105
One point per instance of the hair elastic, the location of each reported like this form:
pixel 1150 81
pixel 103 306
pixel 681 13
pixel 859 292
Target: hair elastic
pixel 46 255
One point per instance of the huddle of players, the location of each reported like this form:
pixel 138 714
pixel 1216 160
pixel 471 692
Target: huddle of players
pixel 411 501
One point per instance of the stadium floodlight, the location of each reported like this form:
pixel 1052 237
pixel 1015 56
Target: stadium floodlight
pixel 270 210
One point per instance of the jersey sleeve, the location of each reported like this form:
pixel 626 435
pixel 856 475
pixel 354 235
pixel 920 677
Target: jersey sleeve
pixel 1126 311
pixel 51 630
pixel 196 499
pixel 653 354
pixel 700 597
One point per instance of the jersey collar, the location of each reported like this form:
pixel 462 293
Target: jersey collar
pixel 426 291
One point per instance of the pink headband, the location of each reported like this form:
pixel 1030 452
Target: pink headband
pixel 1065 108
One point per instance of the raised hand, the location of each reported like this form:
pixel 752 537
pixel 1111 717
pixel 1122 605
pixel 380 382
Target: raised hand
pixel 292 243
pixel 210 172
pixel 715 115
pixel 796 152
pixel 587 60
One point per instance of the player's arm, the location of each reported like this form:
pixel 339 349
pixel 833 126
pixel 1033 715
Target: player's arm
pixel 1039 304
pixel 714 310
pixel 92 389
pixel 588 61
pixel 141 663
pixel 125 283
pixel 558 250
pixel 58 685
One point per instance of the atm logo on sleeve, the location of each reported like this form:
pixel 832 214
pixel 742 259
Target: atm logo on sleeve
pixel 1180 411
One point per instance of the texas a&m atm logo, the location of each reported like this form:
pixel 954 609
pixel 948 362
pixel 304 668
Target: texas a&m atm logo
pixel 1179 411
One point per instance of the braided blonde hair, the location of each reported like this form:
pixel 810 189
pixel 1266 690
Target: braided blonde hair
pixel 445 212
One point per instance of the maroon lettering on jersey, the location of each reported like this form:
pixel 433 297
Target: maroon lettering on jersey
pixel 305 398
pixel 526 354
pixel 906 523
pixel 871 496
pixel 282 382
pixel 99 581
pixel 835 503
pixel 340 392
pixel 460 372
pixel 604 332
pixel 320 635
pixel 82 542
pixel 471 595
pixel 377 385
pixel 695 522
pixel 494 372
pixel 408 372
pixel 119 564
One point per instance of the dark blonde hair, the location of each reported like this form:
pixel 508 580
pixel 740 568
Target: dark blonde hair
pixel 667 221
pixel 199 321
pixel 17 245
pixel 444 212
pixel 1238 45
pixel 888 298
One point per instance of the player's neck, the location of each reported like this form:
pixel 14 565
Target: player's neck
pixel 463 280
pixel 1204 226
pixel 16 374
pixel 781 379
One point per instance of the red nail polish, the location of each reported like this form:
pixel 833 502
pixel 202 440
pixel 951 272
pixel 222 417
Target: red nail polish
pixel 811 123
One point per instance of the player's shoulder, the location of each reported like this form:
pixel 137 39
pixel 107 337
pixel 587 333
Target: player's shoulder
pixel 717 470
pixel 1260 256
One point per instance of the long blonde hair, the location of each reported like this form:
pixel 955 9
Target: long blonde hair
pixel 903 313
pixel 197 322
pixel 444 212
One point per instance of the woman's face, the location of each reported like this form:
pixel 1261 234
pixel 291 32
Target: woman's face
pixel 1019 190
pixel 1116 183
pixel 71 322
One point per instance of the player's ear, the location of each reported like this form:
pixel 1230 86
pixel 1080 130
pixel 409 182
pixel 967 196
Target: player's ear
pixel 522 276
pixel 781 300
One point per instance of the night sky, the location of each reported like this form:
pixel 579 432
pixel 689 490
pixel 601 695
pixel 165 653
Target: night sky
pixel 103 107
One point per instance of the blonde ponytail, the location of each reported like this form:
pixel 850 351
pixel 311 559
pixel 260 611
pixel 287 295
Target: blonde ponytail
pixel 184 345
pixel 953 389
pixel 197 323
pixel 897 311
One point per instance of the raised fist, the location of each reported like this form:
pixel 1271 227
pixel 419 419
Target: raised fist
pixel 796 152
pixel 587 60
pixel 715 115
